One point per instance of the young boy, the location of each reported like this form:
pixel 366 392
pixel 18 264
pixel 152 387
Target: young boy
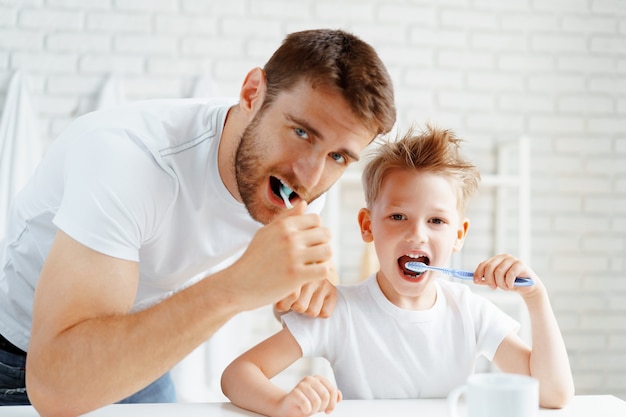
pixel 400 334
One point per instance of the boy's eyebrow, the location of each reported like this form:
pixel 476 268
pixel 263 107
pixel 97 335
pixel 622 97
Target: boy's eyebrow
pixel 316 133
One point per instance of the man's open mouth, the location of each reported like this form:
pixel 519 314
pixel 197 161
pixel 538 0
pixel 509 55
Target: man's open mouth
pixel 402 261
pixel 279 189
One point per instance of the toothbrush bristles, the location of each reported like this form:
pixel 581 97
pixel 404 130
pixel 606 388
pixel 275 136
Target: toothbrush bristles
pixel 285 199
pixel 418 267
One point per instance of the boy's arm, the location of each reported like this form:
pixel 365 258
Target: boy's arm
pixel 246 381
pixel 547 360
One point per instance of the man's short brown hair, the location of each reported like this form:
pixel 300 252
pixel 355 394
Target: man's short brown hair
pixel 341 61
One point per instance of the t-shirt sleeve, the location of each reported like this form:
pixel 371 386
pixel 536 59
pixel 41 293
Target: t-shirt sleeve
pixel 317 336
pixel 492 326
pixel 301 327
pixel 114 194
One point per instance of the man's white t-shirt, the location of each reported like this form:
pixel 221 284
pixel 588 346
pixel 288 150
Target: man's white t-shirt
pixel 138 182
pixel 380 351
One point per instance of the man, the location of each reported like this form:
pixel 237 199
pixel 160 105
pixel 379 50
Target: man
pixel 149 226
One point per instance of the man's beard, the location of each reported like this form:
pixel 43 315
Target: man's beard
pixel 251 173
pixel 248 172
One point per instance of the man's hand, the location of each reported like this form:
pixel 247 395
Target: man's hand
pixel 286 255
pixel 315 299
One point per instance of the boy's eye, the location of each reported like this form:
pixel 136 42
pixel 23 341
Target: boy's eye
pixel 338 157
pixel 437 221
pixel 397 217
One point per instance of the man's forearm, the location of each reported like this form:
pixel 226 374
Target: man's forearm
pixel 103 360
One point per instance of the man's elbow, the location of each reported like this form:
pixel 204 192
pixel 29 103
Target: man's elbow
pixel 44 398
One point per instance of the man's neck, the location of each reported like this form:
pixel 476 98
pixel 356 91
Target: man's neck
pixel 231 136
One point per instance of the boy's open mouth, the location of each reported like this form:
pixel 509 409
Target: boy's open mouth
pixel 402 261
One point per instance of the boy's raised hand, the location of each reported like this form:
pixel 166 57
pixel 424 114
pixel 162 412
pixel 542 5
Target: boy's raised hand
pixel 501 270
pixel 312 395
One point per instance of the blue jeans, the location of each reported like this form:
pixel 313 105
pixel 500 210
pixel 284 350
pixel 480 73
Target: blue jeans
pixel 160 391
pixel 13 384
pixel 12 379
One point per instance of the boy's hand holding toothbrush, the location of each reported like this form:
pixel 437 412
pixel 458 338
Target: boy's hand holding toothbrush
pixel 501 271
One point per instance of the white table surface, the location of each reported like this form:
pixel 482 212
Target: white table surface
pixel 581 406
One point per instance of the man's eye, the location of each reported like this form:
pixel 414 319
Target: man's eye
pixel 302 133
pixel 338 157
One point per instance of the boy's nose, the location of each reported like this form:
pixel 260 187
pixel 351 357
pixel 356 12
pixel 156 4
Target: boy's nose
pixel 417 233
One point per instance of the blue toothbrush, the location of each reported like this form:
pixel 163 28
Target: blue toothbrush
pixel 420 267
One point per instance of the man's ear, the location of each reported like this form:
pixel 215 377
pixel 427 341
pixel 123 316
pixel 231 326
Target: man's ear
pixel 365 223
pixel 252 91
pixel 461 233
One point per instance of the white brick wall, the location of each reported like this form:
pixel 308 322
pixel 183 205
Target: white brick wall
pixel 491 70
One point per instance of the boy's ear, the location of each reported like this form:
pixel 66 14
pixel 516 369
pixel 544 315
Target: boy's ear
pixel 252 91
pixel 461 233
pixel 365 224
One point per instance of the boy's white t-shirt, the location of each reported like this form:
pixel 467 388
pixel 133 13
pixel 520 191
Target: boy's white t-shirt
pixel 380 351
pixel 138 182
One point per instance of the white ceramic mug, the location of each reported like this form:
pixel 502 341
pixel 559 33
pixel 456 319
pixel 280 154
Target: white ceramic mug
pixel 497 395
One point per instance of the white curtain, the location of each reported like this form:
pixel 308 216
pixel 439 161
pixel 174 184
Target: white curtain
pixel 21 147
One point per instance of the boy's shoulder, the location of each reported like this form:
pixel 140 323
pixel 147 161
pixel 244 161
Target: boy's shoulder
pixel 348 291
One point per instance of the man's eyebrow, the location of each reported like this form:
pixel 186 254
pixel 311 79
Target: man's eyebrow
pixel 304 124
pixel 351 155
pixel 317 134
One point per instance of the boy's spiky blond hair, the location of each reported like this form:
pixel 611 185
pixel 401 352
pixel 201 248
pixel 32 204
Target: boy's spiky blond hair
pixel 433 150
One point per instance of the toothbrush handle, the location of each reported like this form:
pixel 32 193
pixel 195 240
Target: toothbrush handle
pixel 519 281
pixel 524 282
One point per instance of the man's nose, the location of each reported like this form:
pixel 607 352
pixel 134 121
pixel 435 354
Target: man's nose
pixel 309 171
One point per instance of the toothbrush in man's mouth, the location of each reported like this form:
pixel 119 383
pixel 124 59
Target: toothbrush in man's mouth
pixel 284 193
